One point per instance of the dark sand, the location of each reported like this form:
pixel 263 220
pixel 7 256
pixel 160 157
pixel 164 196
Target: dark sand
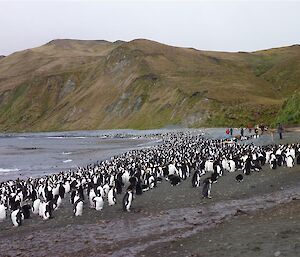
pixel 257 217
pixel 271 232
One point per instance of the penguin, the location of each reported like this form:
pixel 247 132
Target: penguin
pixel 2 212
pixel 125 177
pixel 290 162
pixel 239 178
pixel 133 181
pixel 98 202
pixel 17 217
pixel 78 208
pixel 99 191
pixel 151 182
pixel 184 171
pixel 33 195
pixel 47 213
pixel 174 179
pixel 172 169
pixel 214 177
pixel 80 191
pixel 256 165
pixel 196 179
pixel 218 170
pixel 35 206
pixel 279 160
pixel 262 159
pixel 61 191
pixel 231 165
pixel 209 166
pixel 139 188
pixel 26 211
pixel 127 200
pixel 119 185
pixel 42 207
pixel 14 202
pixel 92 194
pixel 111 196
pixel 73 193
pixel 165 170
pixel 55 191
pixel 49 195
pixel 67 187
pixel 106 189
pixel 56 202
pixel 206 188
pixel 247 166
pixel 273 163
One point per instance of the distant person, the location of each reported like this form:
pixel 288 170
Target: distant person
pixel 231 131
pixel 262 128
pixel 242 132
pixel 227 131
pixel 280 130
pixel 249 128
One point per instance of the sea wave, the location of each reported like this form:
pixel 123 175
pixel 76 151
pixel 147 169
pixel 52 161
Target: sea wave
pixel 66 161
pixel 66 153
pixel 5 170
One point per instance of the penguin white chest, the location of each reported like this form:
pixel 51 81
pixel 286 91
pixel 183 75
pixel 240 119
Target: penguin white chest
pixel 16 218
pixel 2 212
pixel 111 197
pixel 36 205
pixel 289 162
pixel 99 203
pixel 78 210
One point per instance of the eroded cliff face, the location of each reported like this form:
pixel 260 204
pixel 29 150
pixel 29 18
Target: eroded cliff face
pixel 74 85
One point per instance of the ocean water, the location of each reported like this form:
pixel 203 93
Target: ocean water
pixel 35 154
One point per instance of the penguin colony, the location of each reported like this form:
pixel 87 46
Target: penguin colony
pixel 180 156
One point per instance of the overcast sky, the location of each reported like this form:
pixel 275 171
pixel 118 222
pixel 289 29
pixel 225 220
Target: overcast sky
pixel 208 25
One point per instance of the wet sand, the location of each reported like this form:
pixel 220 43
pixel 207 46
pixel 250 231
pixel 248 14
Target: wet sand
pixel 173 221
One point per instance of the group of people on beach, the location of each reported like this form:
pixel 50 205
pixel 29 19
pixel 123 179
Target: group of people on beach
pixel 179 156
pixel 258 130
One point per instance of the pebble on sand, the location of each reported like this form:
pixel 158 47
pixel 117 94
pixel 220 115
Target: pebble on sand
pixel 277 253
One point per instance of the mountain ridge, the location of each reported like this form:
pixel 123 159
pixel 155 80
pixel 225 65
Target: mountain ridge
pixel 84 84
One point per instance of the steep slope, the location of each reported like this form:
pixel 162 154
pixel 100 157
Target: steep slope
pixel 74 84
pixel 290 112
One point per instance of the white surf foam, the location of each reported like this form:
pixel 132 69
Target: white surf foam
pixel 66 161
pixel 66 153
pixel 4 171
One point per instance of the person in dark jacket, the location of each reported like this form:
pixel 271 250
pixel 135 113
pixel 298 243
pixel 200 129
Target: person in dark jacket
pixel 280 130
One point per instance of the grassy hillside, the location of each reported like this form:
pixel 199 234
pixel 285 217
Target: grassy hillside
pixel 74 84
pixel 290 112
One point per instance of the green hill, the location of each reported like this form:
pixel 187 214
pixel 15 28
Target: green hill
pixel 290 112
pixel 74 84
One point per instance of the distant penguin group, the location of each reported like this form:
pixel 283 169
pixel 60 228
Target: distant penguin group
pixel 180 155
